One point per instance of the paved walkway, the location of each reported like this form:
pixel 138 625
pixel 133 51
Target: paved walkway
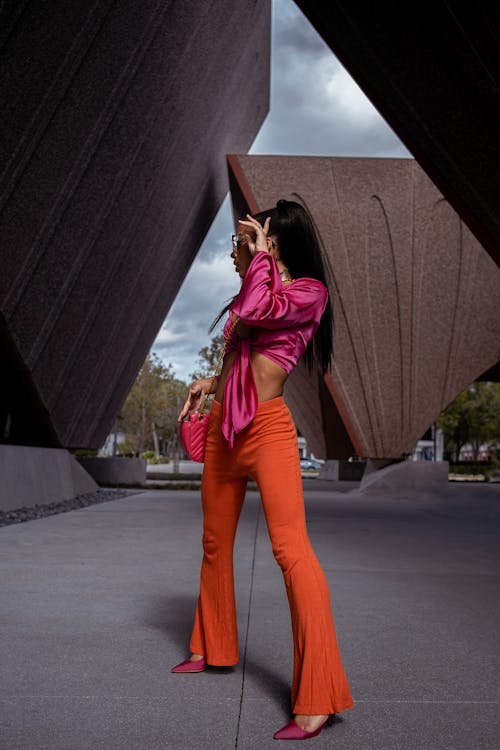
pixel 97 605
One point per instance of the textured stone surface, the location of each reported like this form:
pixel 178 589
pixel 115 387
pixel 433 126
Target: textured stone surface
pixel 309 399
pixel 432 71
pixel 114 133
pixel 415 296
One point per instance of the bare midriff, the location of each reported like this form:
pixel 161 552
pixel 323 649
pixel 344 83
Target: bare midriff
pixel 269 377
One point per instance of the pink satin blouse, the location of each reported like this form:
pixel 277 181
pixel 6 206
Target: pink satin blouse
pixel 285 318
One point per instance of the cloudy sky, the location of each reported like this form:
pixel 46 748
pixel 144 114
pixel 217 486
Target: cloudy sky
pixel 326 115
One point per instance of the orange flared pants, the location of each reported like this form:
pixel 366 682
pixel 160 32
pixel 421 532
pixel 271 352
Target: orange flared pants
pixel 267 451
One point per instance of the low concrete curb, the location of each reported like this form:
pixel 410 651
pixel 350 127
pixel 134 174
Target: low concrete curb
pixel 44 475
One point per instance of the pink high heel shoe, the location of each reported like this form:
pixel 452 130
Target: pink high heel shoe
pixel 189 665
pixel 292 731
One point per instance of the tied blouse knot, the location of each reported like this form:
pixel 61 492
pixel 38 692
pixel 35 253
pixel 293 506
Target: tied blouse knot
pixel 285 318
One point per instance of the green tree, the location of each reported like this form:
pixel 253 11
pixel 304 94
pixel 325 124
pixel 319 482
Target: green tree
pixel 454 424
pixel 149 414
pixel 175 396
pixel 473 417
pixel 208 358
pixel 483 414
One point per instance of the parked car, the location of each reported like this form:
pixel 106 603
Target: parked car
pixel 310 463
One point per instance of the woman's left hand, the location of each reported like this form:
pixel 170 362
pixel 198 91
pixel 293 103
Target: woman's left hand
pixel 196 394
pixel 256 234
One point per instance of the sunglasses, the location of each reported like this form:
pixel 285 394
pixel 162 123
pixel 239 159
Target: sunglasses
pixel 237 240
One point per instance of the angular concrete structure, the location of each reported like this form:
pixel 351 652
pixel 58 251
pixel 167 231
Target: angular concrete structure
pixel 116 121
pixel 415 298
pixel 432 70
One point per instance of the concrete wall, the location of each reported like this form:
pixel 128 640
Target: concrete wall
pixel 115 470
pixel 37 476
pixel 116 118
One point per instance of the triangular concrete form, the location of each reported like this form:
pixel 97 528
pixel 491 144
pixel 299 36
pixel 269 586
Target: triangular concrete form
pixel 415 296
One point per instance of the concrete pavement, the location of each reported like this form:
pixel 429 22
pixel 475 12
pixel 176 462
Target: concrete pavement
pixel 97 605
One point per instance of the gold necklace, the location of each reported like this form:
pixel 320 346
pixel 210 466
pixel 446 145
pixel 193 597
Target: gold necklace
pixel 285 276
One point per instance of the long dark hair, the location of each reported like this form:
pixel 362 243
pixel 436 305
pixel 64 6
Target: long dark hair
pixel 300 251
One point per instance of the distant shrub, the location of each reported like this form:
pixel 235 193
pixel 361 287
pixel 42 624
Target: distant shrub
pixel 484 468
pixel 127 450
pixel 152 458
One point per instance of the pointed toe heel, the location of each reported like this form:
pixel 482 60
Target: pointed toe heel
pixel 292 731
pixel 190 666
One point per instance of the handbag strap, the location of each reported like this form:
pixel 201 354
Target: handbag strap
pixel 218 366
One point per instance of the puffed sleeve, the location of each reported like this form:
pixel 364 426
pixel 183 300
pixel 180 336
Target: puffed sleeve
pixel 264 301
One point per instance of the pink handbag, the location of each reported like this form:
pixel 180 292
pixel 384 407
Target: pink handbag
pixel 195 428
pixel 194 435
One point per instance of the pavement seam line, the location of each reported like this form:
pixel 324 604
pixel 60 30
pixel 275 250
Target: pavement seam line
pixel 248 627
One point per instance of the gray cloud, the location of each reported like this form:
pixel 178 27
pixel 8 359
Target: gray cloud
pixel 292 32
pixel 209 285
pixel 316 109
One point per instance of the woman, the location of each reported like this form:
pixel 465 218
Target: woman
pixel 281 313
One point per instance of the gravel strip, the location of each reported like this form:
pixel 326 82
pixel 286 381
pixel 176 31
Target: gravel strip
pixel 80 501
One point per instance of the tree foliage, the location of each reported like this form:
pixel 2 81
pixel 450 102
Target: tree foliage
pixel 149 414
pixel 472 418
pixel 208 358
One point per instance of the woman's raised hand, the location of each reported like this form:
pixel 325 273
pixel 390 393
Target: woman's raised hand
pixel 195 396
pixel 256 234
